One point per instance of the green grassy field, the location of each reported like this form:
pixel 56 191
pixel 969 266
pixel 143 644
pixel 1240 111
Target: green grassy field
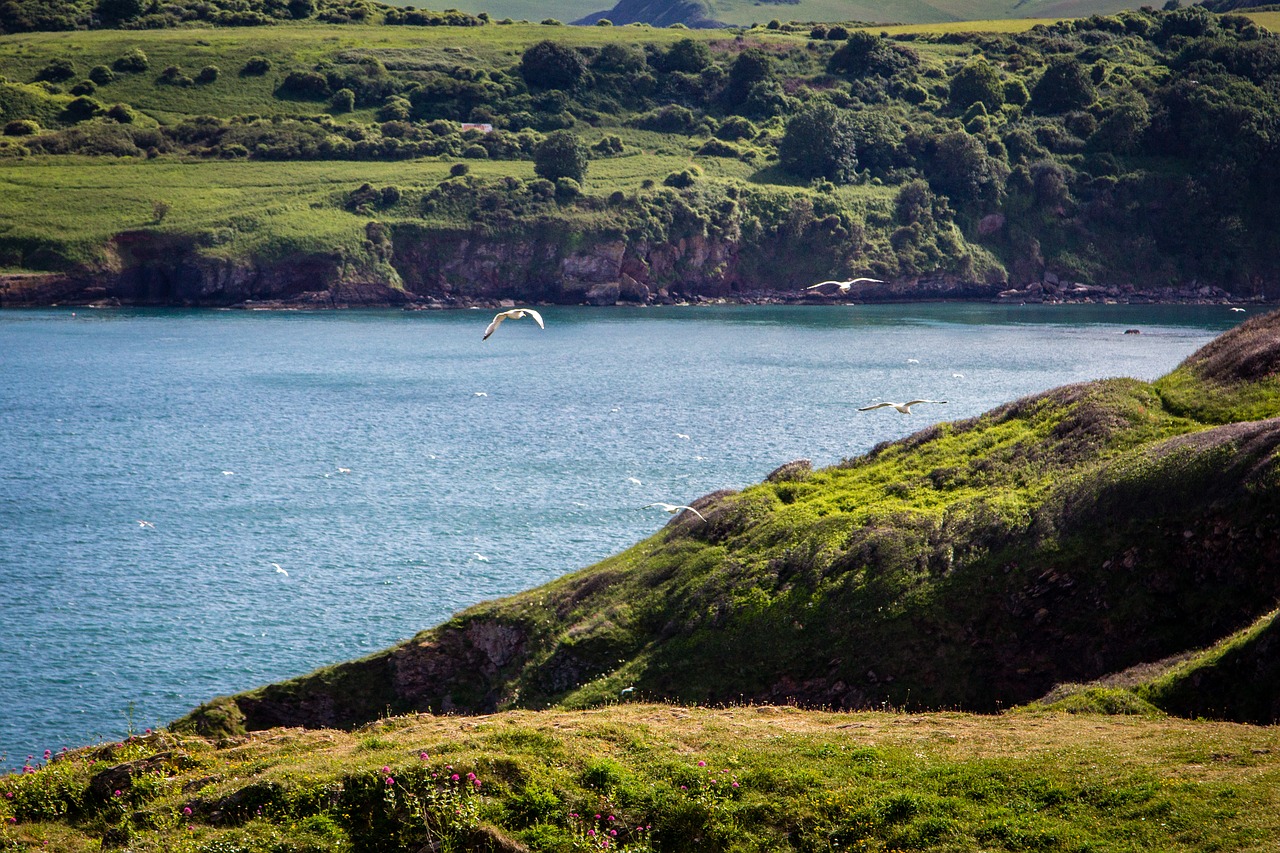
pixel 670 778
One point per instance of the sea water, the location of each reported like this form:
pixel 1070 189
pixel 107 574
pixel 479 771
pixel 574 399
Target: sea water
pixel 194 503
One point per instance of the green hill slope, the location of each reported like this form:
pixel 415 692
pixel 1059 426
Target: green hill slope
pixel 973 565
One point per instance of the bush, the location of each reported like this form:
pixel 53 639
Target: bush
pixel 122 113
pixel 305 85
pixel 458 170
pixel 208 74
pixel 21 127
pixel 682 179
pixel 716 148
pixel 132 62
pixel 84 87
pixel 475 151
pixel 256 66
pixel 608 146
pixel 567 188
pixel 819 143
pixel 101 74
pixel 560 155
pixel 343 101
pixel 736 128
pixel 548 65
pixel 174 76
pixel 83 108
pixel 56 71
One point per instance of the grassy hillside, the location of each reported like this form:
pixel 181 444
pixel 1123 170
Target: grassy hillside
pixel 641 777
pixel 956 159
pixel 1057 539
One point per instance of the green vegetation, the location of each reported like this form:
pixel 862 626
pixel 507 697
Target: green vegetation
pixel 1085 149
pixel 641 777
pixel 1056 540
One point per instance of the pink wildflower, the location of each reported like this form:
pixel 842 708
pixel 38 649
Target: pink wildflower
pixel 455 777
pixel 386 769
pixel 614 833
pixel 423 756
pixel 186 810
pixel 390 781
pixel 591 832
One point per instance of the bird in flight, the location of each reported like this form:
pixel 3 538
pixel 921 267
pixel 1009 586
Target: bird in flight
pixel 142 523
pixel 843 285
pixel 905 408
pixel 1237 309
pixel 635 481
pixel 280 570
pixel 513 314
pixel 674 508
pixel 681 435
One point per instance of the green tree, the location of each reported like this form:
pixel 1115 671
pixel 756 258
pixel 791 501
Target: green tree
pixel 749 69
pixel 978 82
pixel 961 168
pixel 1064 86
pixel 547 65
pixel 688 56
pixel 561 155
pixel 120 10
pixel 819 143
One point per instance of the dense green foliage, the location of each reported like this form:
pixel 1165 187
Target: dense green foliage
pixel 1138 148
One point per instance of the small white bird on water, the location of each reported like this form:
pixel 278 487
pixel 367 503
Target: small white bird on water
pixel 681 435
pixel 142 523
pixel 634 481
pixel 843 285
pixel 513 314
pixel 905 408
pixel 280 570
pixel 674 508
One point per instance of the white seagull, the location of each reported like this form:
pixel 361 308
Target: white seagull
pixel 905 408
pixel 280 570
pixel 674 508
pixel 513 314
pixel 142 523
pixel 635 481
pixel 843 285
pixel 1237 309
pixel 681 435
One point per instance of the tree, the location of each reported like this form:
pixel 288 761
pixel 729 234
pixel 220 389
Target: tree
pixel 1064 86
pixel 688 56
pixel 819 143
pixel 120 10
pixel 750 68
pixel 547 65
pixel 977 82
pixel 561 155
pixel 962 169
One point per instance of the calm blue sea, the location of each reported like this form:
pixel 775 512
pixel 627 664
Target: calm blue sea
pixel 398 469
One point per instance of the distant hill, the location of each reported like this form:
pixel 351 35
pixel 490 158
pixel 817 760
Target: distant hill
pixel 659 13
pixel 973 565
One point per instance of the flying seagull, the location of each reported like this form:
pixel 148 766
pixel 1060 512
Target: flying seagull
pixel 1237 309
pixel 513 314
pixel 280 570
pixel 843 285
pixel 674 508
pixel 905 408
pixel 142 523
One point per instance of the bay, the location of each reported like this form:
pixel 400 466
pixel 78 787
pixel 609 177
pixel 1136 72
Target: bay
pixel 395 469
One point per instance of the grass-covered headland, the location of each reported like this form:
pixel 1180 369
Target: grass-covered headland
pixel 644 777
pixel 1050 627
pixel 317 162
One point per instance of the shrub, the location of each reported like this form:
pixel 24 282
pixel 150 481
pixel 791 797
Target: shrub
pixel 122 113
pixel 682 179
pixel 174 76
pixel 567 188
pixel 717 148
pixel 736 128
pixel 608 145
pixel 84 87
pixel 548 65
pixel 101 74
pixel 560 155
pixel 132 62
pixel 819 143
pixel 604 22
pixel 56 71
pixel 390 195
pixel 21 127
pixel 83 108
pixel 475 151
pixel 255 66
pixel 208 74
pixel 306 85
pixel 343 101
pixel 458 170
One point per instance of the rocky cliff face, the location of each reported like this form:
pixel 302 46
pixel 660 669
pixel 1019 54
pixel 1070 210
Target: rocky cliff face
pixel 441 266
